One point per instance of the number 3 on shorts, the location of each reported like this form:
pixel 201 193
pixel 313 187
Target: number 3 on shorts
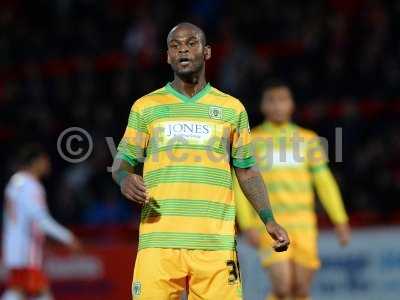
pixel 233 271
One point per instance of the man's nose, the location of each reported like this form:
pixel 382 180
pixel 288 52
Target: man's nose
pixel 183 49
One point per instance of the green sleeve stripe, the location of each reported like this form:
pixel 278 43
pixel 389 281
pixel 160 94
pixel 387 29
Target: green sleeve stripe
pixel 189 208
pixel 186 241
pixel 316 169
pixel 133 162
pixel 131 151
pixel 244 163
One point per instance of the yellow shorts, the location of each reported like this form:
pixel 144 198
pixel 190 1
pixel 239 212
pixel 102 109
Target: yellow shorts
pixel 164 274
pixel 303 249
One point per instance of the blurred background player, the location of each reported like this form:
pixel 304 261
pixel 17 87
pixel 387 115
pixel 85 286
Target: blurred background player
pixel 26 221
pixel 291 160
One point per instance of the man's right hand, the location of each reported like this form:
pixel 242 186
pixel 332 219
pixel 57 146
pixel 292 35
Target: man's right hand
pixel 133 188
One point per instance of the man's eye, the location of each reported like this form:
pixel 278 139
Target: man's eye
pixel 192 43
pixel 174 46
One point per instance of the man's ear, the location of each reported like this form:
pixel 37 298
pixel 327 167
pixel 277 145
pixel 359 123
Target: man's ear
pixel 168 59
pixel 207 52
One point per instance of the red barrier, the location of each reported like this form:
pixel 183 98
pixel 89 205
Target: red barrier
pixel 102 271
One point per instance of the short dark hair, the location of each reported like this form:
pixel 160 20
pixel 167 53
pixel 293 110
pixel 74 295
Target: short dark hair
pixel 193 26
pixel 273 84
pixel 28 153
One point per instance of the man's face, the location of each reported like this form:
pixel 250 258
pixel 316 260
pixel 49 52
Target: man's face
pixel 277 105
pixel 186 52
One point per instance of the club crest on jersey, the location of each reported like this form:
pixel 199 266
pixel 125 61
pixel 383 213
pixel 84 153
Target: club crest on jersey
pixel 137 288
pixel 215 112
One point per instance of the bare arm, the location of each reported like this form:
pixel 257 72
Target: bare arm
pixel 254 189
pixel 38 211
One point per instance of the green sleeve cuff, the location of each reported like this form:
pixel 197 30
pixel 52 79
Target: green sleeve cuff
pixel 130 160
pixel 316 169
pixel 266 215
pixel 121 174
pixel 244 163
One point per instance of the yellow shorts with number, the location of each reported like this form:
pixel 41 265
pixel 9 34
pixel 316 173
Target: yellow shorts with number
pixel 303 249
pixel 164 274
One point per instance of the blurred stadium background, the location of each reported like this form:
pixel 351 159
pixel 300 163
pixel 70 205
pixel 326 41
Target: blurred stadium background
pixel 66 63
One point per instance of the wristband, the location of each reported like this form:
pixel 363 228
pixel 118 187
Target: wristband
pixel 266 215
pixel 120 176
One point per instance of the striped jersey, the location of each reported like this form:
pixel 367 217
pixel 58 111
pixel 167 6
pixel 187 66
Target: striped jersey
pixel 188 146
pixel 287 157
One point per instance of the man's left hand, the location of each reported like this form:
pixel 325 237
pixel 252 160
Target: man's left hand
pixel 279 235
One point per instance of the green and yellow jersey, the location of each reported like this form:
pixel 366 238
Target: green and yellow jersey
pixel 292 161
pixel 188 146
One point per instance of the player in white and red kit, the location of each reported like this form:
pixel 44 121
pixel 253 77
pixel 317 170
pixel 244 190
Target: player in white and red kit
pixel 26 222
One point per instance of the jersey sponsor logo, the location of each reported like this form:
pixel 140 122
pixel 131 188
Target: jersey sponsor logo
pixel 215 112
pixel 189 129
pixel 136 288
pixel 187 132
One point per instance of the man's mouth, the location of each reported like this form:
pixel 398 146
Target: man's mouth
pixel 184 61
